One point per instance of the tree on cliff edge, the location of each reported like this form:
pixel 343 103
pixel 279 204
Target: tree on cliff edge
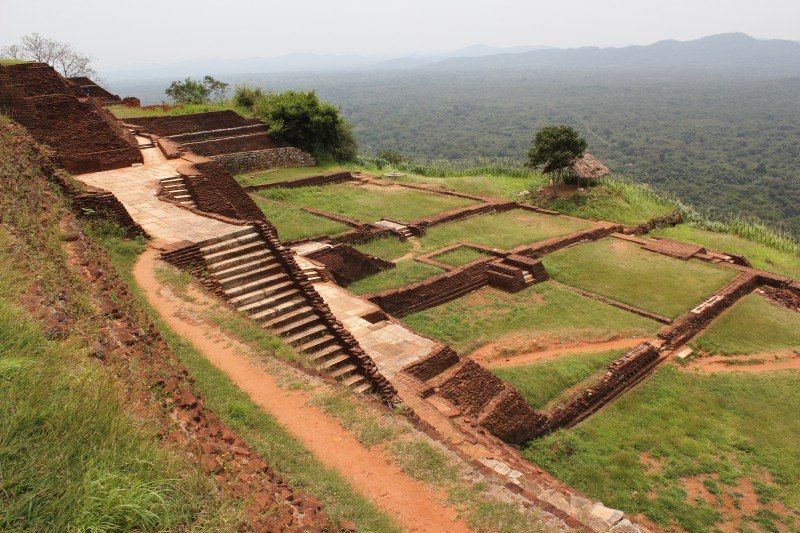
pixel 300 119
pixel 555 148
pixel 58 55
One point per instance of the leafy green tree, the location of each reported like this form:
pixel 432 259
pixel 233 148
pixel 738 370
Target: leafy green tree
pixel 246 96
pixel 191 91
pixel 300 119
pixel 554 148
pixel 392 157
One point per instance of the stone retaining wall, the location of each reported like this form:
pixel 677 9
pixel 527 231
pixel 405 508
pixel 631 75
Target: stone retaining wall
pixel 237 163
pixel 235 144
pixel 346 264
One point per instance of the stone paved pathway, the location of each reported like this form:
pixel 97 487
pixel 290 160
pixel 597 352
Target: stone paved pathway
pixel 136 187
pixel 390 344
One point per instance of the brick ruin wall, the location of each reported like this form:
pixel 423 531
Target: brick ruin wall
pixel 239 162
pixel 105 204
pixel 620 375
pixel 464 212
pixel 548 246
pixel 346 264
pixel 84 136
pixel 176 125
pixel 434 364
pixel 228 145
pixel 322 179
pixel 433 291
pixel 213 190
pixel 187 138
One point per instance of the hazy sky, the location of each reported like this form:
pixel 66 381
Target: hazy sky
pixel 164 31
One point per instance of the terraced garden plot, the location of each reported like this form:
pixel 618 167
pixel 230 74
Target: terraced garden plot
pixel 504 230
pixel 461 256
pixel 405 273
pixel 387 248
pixel 368 203
pixel 547 380
pixel 620 270
pixel 501 186
pixel 760 255
pixel 753 325
pixel 293 223
pixel 285 174
pixel 733 434
pixel 540 314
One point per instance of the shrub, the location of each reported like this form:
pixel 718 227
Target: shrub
pixel 300 119
pixel 246 96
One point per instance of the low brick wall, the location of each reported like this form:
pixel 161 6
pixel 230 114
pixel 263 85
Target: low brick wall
pixel 213 190
pixel 463 212
pixel 432 292
pixel 176 125
pixel 542 248
pixel 239 162
pixel 346 264
pixel 184 138
pixel 322 179
pixel 620 375
pixel 434 364
pixel 106 205
pixel 229 145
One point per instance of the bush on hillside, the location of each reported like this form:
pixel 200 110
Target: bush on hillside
pixel 191 91
pixel 246 96
pixel 302 120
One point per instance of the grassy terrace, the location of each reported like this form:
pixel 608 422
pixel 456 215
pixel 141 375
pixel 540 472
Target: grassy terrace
pixel 386 248
pixel 461 256
pixel 718 430
pixel 543 382
pixel 622 271
pixel 760 255
pixel 405 273
pixel 753 325
pixel 540 314
pixel 121 111
pixel 368 203
pixel 293 223
pixel 285 174
pixel 504 230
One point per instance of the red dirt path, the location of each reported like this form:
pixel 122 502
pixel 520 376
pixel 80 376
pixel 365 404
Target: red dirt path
pixel 371 472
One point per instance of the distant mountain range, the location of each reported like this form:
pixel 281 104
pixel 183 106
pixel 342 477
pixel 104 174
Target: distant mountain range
pixel 730 51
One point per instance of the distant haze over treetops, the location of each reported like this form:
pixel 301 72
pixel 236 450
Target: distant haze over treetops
pixel 715 121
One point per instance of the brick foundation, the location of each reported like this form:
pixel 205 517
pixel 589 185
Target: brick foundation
pixel 237 163
pixel 346 264
pixel 323 179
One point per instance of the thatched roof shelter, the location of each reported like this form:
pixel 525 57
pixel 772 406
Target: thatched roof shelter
pixel 586 168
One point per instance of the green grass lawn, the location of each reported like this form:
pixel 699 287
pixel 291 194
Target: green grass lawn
pixel 753 325
pixel 285 174
pixel 541 312
pixel 622 271
pixel 368 203
pixel 546 380
pixel 500 230
pixel 5 61
pixel 461 256
pixel 500 186
pixel 760 255
pixel 730 425
pixel 405 273
pixel 387 248
pixel 294 223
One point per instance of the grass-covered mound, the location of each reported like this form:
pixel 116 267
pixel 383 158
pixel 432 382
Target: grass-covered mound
pixel 733 434
pixel 622 271
pixel 541 313
pixel 753 325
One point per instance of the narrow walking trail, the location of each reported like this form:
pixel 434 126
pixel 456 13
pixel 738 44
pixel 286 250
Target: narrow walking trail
pixel 488 355
pixel 370 471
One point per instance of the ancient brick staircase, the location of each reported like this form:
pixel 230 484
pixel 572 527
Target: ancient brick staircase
pixel 176 188
pixel 254 281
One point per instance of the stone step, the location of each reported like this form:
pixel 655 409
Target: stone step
pixel 344 371
pixel 333 362
pixel 362 386
pixel 233 251
pixel 182 197
pixel 289 317
pixel 229 244
pixel 317 344
pixel 243 278
pixel 326 353
pixel 256 309
pixel 268 311
pixel 244 230
pixel 251 262
pixel 307 334
pixel 297 325
pixel 219 266
pixel 175 187
pixel 172 179
pixel 244 294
